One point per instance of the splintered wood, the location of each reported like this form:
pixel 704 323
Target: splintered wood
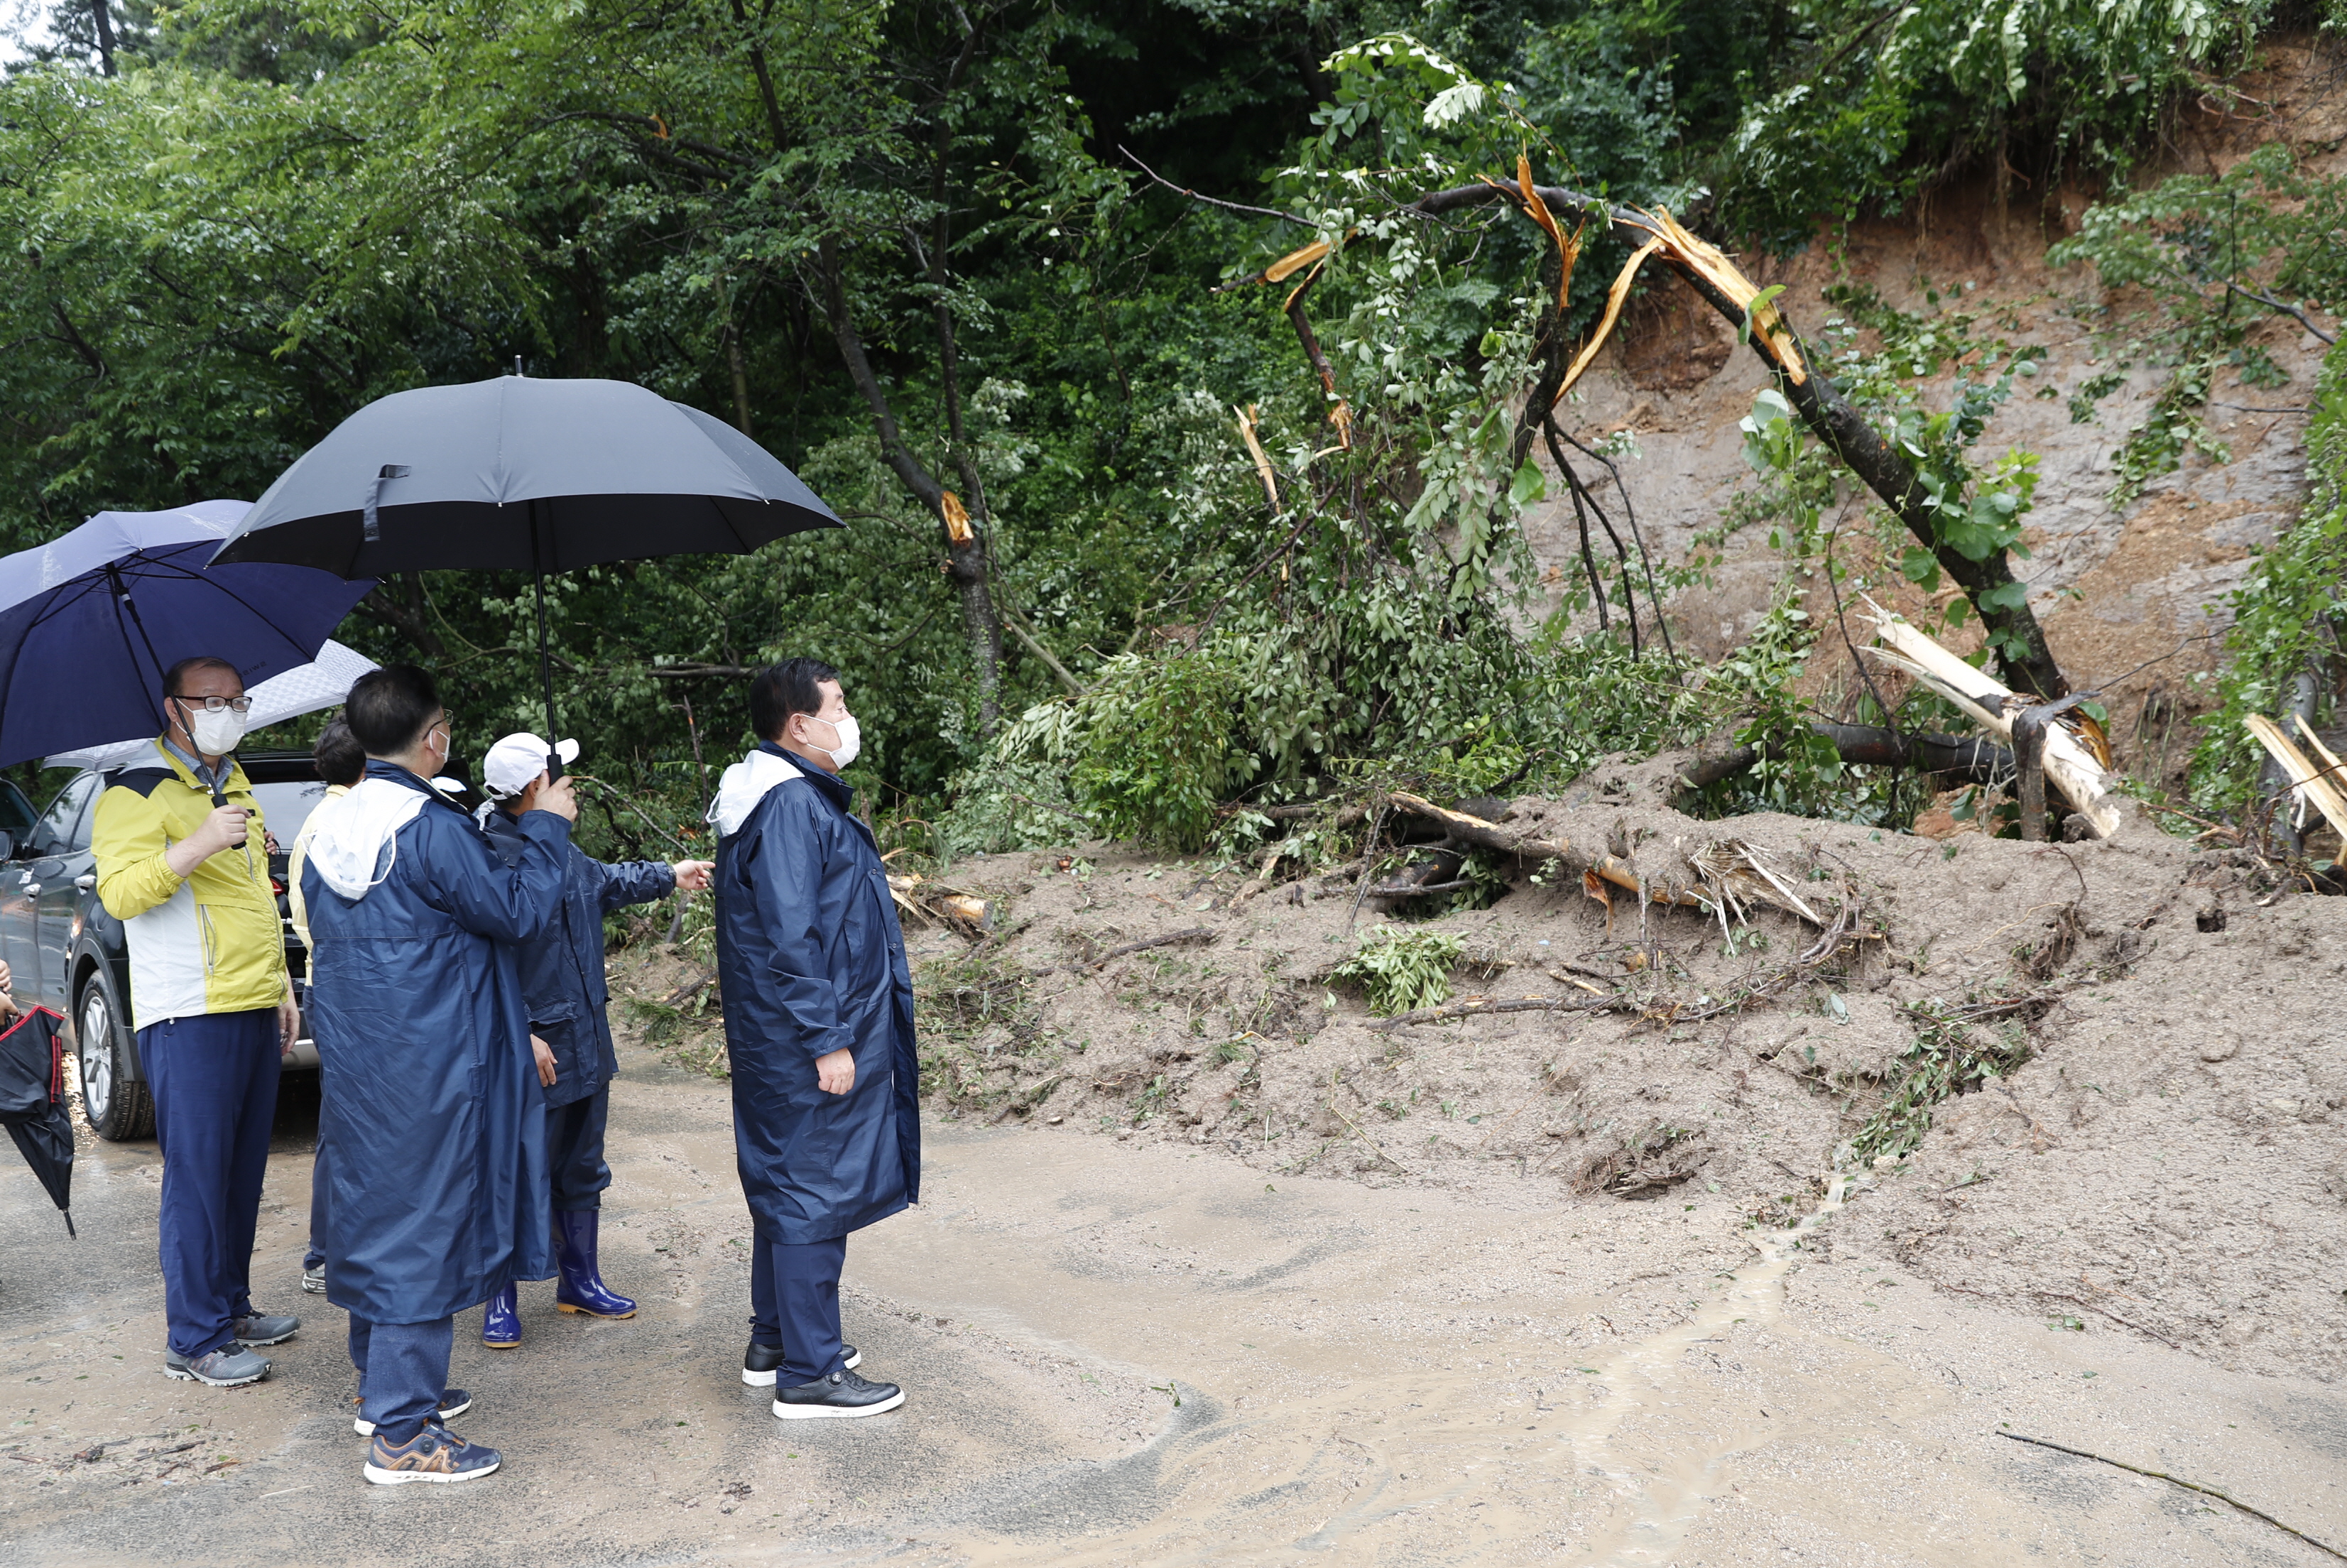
pixel 2069 764
pixel 2321 783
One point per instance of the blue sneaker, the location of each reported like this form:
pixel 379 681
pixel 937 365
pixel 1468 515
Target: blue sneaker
pixel 434 1454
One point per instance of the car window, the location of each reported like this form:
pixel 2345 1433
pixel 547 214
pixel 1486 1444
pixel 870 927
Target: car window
pixel 63 827
pixel 284 807
pixel 17 817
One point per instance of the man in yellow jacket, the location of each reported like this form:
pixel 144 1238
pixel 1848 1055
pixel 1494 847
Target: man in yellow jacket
pixel 182 863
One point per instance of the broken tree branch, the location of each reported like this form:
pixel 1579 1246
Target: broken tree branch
pixel 1876 461
pixel 2178 1480
pixel 1491 835
pixel 1994 706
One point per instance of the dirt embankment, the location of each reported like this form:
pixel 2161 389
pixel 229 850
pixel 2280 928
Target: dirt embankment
pixel 2133 598
pixel 2165 1155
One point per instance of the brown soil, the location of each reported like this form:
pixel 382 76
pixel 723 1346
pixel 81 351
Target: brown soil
pixel 2165 1161
pixel 2132 599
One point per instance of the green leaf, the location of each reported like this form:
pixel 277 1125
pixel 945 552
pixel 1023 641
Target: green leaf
pixel 1530 484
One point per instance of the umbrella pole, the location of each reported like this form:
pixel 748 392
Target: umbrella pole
pixel 544 660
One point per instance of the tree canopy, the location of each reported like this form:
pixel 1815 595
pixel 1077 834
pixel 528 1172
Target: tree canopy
pixel 979 271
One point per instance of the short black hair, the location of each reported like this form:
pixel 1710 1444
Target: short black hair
pixel 338 756
pixel 201 661
pixel 389 709
pixel 785 688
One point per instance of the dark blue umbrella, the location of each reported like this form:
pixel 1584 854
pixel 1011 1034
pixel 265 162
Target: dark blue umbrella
pixel 529 475
pixel 89 621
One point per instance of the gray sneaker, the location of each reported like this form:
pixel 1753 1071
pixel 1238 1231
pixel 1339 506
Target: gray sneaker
pixel 313 1280
pixel 258 1330
pixel 230 1367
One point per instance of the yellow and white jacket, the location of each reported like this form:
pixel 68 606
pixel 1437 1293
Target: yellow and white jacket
pixel 209 942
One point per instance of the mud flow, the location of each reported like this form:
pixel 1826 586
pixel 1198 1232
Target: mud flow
pixel 1683 1264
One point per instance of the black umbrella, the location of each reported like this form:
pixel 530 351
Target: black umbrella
pixel 33 1103
pixel 529 475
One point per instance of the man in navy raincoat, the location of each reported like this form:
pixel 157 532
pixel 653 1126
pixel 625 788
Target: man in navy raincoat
pixel 819 1025
pixel 562 980
pixel 436 1195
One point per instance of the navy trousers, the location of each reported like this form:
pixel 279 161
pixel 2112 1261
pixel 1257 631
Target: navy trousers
pixel 794 1294
pixel 574 1152
pixel 316 1252
pixel 403 1367
pixel 214 1079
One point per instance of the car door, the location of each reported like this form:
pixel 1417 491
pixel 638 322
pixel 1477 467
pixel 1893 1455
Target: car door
pixel 16 916
pixel 60 870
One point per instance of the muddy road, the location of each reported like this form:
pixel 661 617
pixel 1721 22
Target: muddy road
pixel 1482 1374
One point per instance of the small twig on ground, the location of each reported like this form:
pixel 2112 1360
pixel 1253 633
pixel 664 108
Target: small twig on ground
pixel 1001 934
pixel 1475 1006
pixel 1374 1147
pixel 689 989
pixel 1187 933
pixel 2059 1295
pixel 2178 1481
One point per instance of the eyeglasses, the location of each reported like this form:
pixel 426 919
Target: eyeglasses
pixel 217 704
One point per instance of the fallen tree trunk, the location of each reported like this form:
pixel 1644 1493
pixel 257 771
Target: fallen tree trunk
pixel 1991 705
pixel 1970 757
pixel 1877 462
pixel 1737 874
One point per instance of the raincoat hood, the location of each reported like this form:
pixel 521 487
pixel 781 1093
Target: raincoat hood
pixel 745 785
pixel 351 837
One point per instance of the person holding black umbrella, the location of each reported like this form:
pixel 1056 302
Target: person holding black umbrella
pixel 819 1026
pixel 180 864
pixel 432 1113
pixel 562 977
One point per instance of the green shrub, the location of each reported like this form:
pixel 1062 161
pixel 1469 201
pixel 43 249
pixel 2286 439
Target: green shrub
pixel 1401 971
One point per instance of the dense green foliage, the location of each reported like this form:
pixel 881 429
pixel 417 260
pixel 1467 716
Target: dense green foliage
pixel 274 210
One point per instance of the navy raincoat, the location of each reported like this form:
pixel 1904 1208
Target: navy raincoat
pixel 562 971
pixel 437 1196
pixel 810 960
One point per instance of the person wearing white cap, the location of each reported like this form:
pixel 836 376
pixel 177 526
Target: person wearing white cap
pixel 563 983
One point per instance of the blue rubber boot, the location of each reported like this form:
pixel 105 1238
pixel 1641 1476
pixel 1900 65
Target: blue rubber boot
pixel 501 1324
pixel 580 1287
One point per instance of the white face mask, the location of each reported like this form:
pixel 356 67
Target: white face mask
pixel 215 734
pixel 445 743
pixel 850 741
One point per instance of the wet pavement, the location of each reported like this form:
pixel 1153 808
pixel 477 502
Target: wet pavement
pixel 1145 1355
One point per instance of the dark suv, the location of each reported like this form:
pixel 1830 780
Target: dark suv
pixel 69 954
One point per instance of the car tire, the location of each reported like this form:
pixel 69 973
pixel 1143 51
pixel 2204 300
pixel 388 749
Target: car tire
pixel 114 1101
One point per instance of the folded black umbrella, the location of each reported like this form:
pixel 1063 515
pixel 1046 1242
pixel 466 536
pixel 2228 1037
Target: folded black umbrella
pixel 33 1103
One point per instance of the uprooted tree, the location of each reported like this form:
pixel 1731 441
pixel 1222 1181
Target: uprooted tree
pixel 1970 544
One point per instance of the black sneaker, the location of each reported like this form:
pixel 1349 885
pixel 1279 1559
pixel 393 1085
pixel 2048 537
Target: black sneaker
pixel 841 1394
pixel 454 1402
pixel 231 1366
pixel 262 1329
pixel 759 1362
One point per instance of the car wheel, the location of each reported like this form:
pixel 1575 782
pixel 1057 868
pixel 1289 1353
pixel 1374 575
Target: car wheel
pixel 113 1099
